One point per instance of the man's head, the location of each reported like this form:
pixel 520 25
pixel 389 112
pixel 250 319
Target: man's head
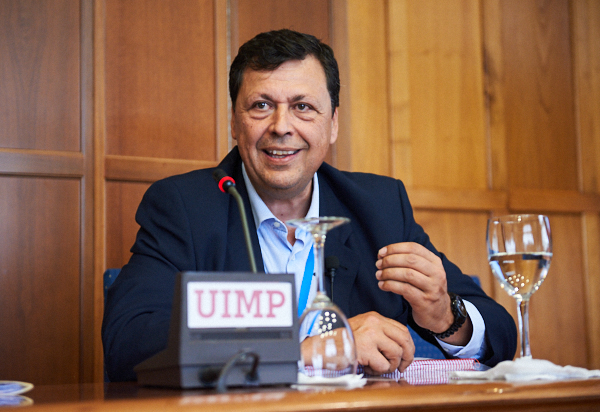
pixel 269 50
pixel 284 114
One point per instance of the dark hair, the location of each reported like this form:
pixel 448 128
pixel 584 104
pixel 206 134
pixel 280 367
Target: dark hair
pixel 267 51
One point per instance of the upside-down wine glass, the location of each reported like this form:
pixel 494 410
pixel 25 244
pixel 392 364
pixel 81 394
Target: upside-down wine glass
pixel 329 349
pixel 519 253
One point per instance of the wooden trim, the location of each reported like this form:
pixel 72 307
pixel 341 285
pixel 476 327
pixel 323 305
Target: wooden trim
pixel 457 199
pixel 341 156
pixel 591 256
pixel 222 58
pixel 90 370
pixel 568 201
pixel 493 67
pixel 399 103
pixel 41 163
pixel 534 200
pixel 148 169
pixel 99 39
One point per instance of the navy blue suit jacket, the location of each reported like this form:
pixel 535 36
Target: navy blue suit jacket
pixel 187 224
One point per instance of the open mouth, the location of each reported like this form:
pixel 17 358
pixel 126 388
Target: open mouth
pixel 280 154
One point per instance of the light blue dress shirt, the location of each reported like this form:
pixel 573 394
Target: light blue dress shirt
pixel 279 256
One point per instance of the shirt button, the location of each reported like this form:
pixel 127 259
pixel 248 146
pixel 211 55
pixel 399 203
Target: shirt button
pixel 276 224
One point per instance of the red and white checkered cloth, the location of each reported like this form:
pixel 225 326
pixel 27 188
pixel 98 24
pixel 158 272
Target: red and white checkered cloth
pixel 432 371
pixel 420 371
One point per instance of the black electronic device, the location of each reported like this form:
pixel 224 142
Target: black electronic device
pixel 252 316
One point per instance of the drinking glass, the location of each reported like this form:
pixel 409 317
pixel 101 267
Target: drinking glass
pixel 329 350
pixel 519 253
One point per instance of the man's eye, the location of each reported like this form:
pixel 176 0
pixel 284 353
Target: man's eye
pixel 261 105
pixel 303 107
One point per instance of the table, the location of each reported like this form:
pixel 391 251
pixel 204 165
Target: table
pixel 581 395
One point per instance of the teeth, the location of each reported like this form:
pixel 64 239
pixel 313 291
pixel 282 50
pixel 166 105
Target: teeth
pixel 281 152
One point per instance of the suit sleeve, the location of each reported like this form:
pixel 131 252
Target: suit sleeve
pixel 138 304
pixel 500 330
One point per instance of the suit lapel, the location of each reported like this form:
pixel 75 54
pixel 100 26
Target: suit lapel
pixel 337 245
pixel 236 255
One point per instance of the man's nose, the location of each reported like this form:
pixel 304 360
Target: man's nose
pixel 281 121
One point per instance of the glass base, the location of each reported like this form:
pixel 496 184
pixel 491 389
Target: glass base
pixel 328 348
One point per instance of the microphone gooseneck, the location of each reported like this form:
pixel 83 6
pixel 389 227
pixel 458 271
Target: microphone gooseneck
pixel 227 185
pixel 332 263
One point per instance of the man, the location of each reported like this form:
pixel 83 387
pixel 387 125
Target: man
pixel 284 89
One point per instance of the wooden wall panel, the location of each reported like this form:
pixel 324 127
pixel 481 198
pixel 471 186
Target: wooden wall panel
pixel 364 143
pixel 483 120
pixel 445 82
pixel 557 309
pixel 480 106
pixel 461 237
pixel 122 201
pixel 39 75
pixel 39 279
pixel 536 90
pixel 586 48
pixel 160 79
pixel 250 17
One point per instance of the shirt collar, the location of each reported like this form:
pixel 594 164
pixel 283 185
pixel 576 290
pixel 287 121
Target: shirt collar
pixel 260 210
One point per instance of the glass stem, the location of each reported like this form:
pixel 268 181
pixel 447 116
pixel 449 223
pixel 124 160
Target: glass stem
pixel 523 317
pixel 319 261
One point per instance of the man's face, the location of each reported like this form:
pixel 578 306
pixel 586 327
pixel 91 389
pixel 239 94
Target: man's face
pixel 283 125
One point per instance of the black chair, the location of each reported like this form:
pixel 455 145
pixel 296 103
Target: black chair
pixel 109 277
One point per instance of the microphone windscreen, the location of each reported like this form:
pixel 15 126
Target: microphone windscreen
pixel 224 181
pixel 219 174
pixel 332 262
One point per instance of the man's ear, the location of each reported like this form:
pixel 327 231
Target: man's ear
pixel 232 124
pixel 334 127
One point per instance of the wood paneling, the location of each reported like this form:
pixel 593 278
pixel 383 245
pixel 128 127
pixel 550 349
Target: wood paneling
pixel 146 169
pixel 445 82
pixel 491 110
pixel 250 17
pixel 122 200
pixel 47 280
pixel 160 79
pixel 366 145
pixel 591 253
pixel 557 309
pixel 38 162
pixel 586 43
pixel 39 75
pixel 461 237
pixel 530 73
pixel 481 107
pixel 39 279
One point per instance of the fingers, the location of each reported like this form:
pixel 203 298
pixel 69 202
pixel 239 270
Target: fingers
pixel 409 255
pixel 382 344
pixel 409 248
pixel 410 269
pixel 414 272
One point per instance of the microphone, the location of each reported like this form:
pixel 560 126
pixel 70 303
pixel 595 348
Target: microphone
pixel 332 263
pixel 227 185
pixel 212 348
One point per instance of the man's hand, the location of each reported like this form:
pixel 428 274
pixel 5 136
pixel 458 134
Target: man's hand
pixel 411 270
pixel 382 344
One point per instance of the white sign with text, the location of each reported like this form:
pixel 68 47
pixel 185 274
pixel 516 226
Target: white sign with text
pixel 239 304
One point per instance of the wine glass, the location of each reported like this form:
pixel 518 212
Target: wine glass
pixel 329 349
pixel 519 253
